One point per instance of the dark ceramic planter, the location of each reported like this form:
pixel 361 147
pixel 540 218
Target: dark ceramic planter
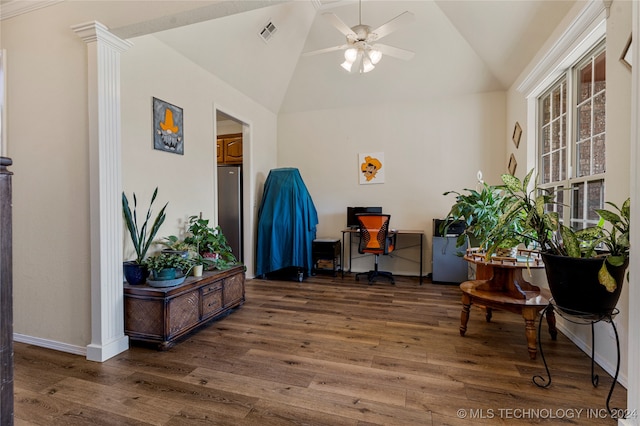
pixel 135 274
pixel 574 284
pixel 164 274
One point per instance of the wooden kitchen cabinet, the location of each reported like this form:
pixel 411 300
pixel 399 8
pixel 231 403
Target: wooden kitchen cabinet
pixel 229 149
pixel 164 315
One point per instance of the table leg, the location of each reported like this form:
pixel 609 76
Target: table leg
pixel 342 249
pixel 420 235
pixel 551 322
pixel 488 314
pixel 530 314
pixel 464 315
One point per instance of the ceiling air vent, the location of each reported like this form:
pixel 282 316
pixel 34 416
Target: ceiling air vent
pixel 267 32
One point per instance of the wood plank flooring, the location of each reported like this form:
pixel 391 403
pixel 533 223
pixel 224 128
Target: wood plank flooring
pixel 326 351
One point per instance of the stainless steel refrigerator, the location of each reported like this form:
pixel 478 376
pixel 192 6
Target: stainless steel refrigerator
pixel 230 206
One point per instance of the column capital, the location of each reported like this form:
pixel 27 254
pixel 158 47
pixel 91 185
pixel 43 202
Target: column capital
pixel 94 31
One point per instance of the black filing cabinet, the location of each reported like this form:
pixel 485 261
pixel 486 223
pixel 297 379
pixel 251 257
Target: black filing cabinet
pixel 326 255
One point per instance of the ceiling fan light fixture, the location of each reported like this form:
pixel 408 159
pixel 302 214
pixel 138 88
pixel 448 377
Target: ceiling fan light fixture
pixel 351 54
pixel 375 55
pixel 366 65
pixel 347 65
pixel 362 57
pixel 360 50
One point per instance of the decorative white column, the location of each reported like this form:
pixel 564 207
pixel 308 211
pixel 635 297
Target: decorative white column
pixel 105 188
pixel 633 391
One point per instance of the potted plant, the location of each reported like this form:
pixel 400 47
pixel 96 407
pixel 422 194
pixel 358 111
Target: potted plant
pixel 200 263
pixel 209 242
pixel 585 268
pixel 189 250
pixel 177 246
pixel 169 267
pixel 136 271
pixel 480 211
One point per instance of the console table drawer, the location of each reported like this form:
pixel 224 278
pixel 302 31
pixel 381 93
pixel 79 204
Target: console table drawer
pixel 211 302
pixel 212 287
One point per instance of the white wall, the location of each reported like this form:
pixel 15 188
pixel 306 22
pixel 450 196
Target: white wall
pixel 48 141
pixel 429 148
pixel 617 185
pixel 227 127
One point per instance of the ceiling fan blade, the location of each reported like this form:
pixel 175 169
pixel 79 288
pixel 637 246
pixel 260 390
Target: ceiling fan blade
pixel 325 50
pixel 394 51
pixel 394 24
pixel 337 22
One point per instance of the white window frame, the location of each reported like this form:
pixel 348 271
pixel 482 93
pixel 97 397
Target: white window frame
pixel 570 78
pixel 580 38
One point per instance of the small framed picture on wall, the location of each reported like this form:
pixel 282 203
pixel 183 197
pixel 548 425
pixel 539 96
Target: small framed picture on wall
pixel 168 134
pixel 626 53
pixel 512 165
pixel 517 134
pixel 371 168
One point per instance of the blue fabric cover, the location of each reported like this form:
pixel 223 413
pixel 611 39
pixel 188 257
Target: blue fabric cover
pixel 287 221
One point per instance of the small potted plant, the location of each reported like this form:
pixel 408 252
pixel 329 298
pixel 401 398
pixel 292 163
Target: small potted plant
pixel 199 263
pixel 142 237
pixel 169 267
pixel 585 268
pixel 209 242
pixel 175 245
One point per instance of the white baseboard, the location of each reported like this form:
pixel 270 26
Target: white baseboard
pixel 586 348
pixel 50 344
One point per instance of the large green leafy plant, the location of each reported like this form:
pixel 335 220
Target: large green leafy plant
pixel 142 236
pixel 480 211
pixel 609 239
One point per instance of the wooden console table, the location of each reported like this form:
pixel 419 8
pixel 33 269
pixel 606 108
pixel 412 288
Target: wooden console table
pixel 163 315
pixel 503 287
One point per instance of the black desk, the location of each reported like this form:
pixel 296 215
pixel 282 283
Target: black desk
pixel 402 235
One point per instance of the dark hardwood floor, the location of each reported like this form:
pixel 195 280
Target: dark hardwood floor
pixel 325 351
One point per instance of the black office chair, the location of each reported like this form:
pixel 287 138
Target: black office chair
pixel 375 239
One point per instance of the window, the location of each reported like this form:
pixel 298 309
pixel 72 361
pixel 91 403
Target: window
pixel 572 136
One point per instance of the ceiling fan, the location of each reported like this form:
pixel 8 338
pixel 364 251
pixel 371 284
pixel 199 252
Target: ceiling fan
pixel 361 47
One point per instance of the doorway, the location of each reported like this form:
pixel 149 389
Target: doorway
pixel 229 168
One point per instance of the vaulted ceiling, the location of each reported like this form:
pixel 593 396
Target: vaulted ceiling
pixel 461 47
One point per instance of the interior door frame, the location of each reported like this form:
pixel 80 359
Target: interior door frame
pixel 246 144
